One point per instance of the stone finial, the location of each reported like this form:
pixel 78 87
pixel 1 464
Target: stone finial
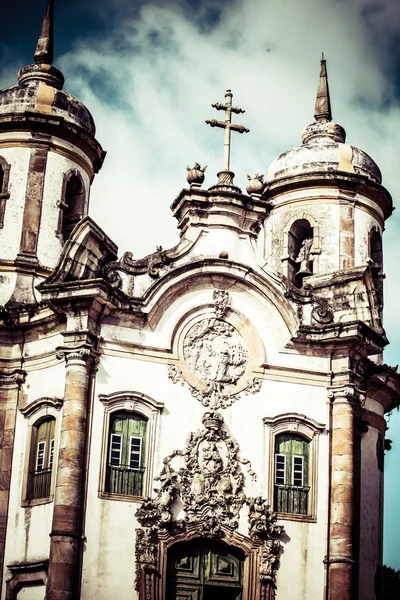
pixel 45 47
pixel 323 103
pixel 195 174
pixel 256 184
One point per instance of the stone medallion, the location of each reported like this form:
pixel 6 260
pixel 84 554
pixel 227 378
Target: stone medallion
pixel 215 352
pixel 216 359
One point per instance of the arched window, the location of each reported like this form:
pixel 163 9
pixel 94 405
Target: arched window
pixel 41 459
pixel 129 437
pixel 300 242
pixel 4 195
pixel 293 460
pixel 376 262
pixel 126 454
pixel 291 484
pixel 72 204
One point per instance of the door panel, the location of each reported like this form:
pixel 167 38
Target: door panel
pixel 203 570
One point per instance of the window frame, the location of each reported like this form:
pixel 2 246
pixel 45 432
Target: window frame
pixel 310 430
pixel 150 409
pixel 35 413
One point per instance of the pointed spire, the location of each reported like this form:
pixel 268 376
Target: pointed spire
pixel 323 103
pixel 45 46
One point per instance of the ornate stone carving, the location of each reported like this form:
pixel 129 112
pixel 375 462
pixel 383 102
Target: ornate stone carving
pixel 322 311
pixel 205 481
pixel 215 352
pixel 221 300
pixel 215 397
pixel 175 374
pixel 263 527
pixel 83 353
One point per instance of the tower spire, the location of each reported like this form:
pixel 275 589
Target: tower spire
pixel 45 46
pixel 323 103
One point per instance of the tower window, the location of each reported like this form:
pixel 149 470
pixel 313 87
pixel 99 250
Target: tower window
pixel 291 487
pixel 72 205
pixel 376 262
pixel 126 457
pixel 4 195
pixel 300 242
pixel 41 460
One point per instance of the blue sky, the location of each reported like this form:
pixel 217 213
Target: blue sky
pixel 149 71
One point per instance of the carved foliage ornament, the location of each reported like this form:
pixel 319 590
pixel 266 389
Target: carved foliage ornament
pixel 208 488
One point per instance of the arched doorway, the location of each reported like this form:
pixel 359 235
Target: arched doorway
pixel 204 570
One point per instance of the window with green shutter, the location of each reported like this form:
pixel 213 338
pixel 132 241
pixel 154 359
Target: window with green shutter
pixel 126 454
pixel 291 487
pixel 41 459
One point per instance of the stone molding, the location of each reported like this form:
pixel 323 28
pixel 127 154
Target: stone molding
pixel 30 409
pixel 12 379
pixel 23 575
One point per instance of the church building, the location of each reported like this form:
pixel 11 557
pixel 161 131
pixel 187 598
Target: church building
pixel 207 422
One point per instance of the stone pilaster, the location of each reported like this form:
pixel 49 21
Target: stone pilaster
pixel 10 385
pixel 63 576
pixel 341 559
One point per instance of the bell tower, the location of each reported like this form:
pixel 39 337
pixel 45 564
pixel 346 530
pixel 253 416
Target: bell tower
pixel 48 158
pixel 328 204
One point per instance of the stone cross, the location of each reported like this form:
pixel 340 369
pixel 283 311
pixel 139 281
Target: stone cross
pixel 227 125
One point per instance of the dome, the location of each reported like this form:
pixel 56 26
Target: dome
pixel 40 90
pixel 324 148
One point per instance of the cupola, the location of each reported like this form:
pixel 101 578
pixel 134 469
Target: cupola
pixel 48 159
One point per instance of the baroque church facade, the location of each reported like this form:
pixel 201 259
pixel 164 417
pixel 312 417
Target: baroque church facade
pixel 207 422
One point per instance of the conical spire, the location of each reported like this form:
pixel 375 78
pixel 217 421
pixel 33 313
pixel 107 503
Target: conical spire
pixel 45 46
pixel 323 111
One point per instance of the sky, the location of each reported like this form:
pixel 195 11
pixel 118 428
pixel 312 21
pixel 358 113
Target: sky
pixel 149 72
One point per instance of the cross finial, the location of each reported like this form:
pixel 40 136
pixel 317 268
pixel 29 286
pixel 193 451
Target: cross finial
pixel 228 126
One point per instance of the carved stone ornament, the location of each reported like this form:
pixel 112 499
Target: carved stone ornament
pixel 205 483
pixel 263 526
pixel 221 300
pixel 195 175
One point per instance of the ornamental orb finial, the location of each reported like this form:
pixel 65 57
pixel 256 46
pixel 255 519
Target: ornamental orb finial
pixel 195 176
pixel 256 184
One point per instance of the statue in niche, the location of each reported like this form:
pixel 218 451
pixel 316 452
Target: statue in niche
pixel 305 249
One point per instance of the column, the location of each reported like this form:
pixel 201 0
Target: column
pixel 63 576
pixel 340 561
pixel 10 385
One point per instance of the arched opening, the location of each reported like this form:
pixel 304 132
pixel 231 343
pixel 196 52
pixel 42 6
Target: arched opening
pixel 73 205
pixel 300 241
pixel 376 262
pixel 205 570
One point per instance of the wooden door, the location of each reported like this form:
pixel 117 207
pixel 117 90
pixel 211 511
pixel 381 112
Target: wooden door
pixel 204 570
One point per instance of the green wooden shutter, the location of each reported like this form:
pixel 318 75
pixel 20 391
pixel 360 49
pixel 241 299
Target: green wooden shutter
pixel 292 498
pixel 130 430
